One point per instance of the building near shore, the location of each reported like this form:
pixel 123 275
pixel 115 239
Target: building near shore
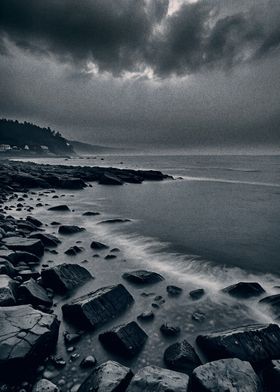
pixel 5 147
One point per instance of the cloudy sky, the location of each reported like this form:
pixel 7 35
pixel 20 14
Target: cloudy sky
pixel 145 73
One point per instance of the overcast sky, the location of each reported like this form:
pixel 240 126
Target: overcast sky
pixel 157 73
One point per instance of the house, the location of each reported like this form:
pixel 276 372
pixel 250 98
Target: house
pixel 44 148
pixel 5 147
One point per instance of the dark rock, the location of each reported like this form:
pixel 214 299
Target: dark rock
pixel 91 213
pixel 253 343
pixel 112 221
pixel 108 377
pixel 6 268
pixel 72 183
pixel 29 181
pixel 27 274
pixel 27 257
pixel 197 294
pixel 31 245
pixel 8 291
pixel 98 245
pixel 34 294
pixel 272 302
pixel 34 221
pixel 110 257
pixel 62 207
pixel 155 379
pixel 64 277
pixel 88 362
pixel 110 179
pixel 181 357
pixel 142 277
pixel 74 250
pixel 47 239
pixel 45 385
pixel 70 229
pixel 126 340
pixel 174 291
pixel 146 316
pixel 169 330
pixel 244 290
pixel 27 336
pixel 98 307
pixel 271 376
pixel 225 375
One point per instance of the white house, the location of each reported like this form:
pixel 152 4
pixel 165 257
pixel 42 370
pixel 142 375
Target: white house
pixel 44 148
pixel 5 147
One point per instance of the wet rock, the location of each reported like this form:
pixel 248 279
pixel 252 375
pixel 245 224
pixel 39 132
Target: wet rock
pixel 244 290
pixel 74 250
pixel 108 377
pixel 126 340
pixel 169 330
pixel 88 362
pixel 98 245
pixel 271 376
pixel 174 291
pixel 272 302
pixel 47 239
pixel 146 316
pixel 110 257
pixel 34 221
pixel 64 277
pixel 155 379
pixel 31 292
pixel 72 183
pixel 116 220
pixel 70 229
pixel 181 357
pixel 253 343
pixel 6 268
pixel 45 385
pixel 142 277
pixel 27 336
pixel 27 257
pixel 110 179
pixel 62 207
pixel 31 245
pixel 98 307
pixel 225 375
pixel 91 213
pixel 8 291
pixel 197 294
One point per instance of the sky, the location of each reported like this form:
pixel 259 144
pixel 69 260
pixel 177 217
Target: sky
pixel 157 74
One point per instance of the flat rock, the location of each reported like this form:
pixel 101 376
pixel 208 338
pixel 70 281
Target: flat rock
pixel 27 336
pixel 26 257
pixel 31 245
pixel 110 179
pixel 6 268
pixel 48 240
pixel 272 302
pixel 126 340
pixel 114 220
pixel 31 292
pixel 253 343
pixel 244 290
pixel 197 294
pixel 8 291
pixel 181 357
pixel 142 277
pixel 98 307
pixel 155 379
pixel 98 245
pixel 91 213
pixel 108 377
pixel 70 229
pixel 34 221
pixel 45 385
pixel 225 375
pixel 64 277
pixel 62 207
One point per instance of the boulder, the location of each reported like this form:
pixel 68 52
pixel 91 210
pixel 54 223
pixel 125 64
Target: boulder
pixel 30 245
pixel 27 336
pixel 6 268
pixel 108 377
pixel 8 291
pixel 98 307
pixel 114 220
pixel 110 179
pixel 34 221
pixel 181 357
pixel 98 245
pixel 244 290
pixel 91 213
pixel 271 376
pixel 62 207
pixel 31 292
pixel 146 316
pixel 142 277
pixel 170 330
pixel 174 291
pixel 155 379
pixel 45 385
pixel 225 375
pixel 70 229
pixel 272 302
pixel 23 257
pixel 74 250
pixel 253 343
pixel 29 181
pixel 72 183
pixel 48 240
pixel 126 340
pixel 64 277
pixel 197 294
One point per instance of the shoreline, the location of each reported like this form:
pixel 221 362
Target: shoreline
pixel 18 181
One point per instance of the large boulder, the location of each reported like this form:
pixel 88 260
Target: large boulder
pixel 244 290
pixel 45 385
pixel 30 245
pixel 70 229
pixel 225 375
pixel 27 336
pixel 98 245
pixel 253 343
pixel 142 277
pixel 61 207
pixel 272 302
pixel 31 292
pixel 126 340
pixel 47 239
pixel 64 277
pixel 22 257
pixel 155 379
pixel 181 357
pixel 108 377
pixel 8 291
pixel 6 268
pixel 34 221
pixel 98 307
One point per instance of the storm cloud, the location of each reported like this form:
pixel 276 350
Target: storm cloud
pixel 120 36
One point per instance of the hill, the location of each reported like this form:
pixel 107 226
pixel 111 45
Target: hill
pixel 85 148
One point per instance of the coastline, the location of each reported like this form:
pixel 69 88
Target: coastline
pixel 20 183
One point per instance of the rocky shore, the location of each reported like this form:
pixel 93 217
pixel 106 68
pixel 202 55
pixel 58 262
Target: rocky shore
pixel 244 358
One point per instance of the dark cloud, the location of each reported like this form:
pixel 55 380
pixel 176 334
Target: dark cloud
pixel 129 35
